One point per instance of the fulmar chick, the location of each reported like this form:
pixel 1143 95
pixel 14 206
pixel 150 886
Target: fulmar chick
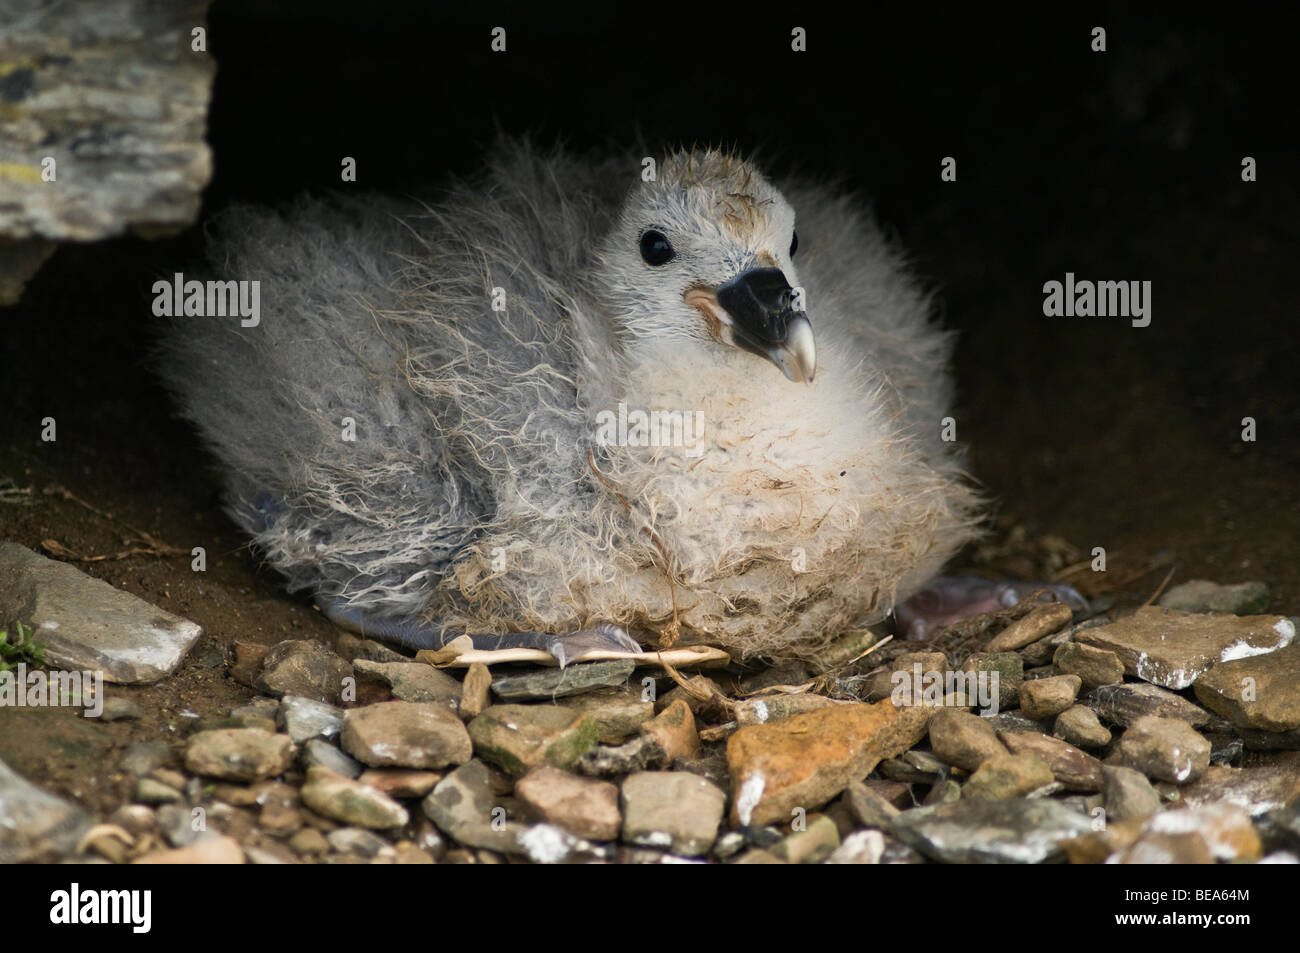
pixel 565 401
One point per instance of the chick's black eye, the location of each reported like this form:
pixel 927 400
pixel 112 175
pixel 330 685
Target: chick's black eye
pixel 794 243
pixel 655 248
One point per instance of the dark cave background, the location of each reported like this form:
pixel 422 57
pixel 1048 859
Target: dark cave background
pixel 1118 165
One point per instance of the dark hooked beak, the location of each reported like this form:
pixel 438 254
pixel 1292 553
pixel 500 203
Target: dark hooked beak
pixel 755 311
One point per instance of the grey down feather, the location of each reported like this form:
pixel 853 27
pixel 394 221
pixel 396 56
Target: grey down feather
pixel 476 495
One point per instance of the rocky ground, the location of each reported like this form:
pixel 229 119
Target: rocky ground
pixel 1165 734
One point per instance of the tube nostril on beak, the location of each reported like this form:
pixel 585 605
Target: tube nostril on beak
pixel 760 300
pixel 760 304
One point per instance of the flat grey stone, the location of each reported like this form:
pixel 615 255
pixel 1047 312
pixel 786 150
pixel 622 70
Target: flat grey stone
pixel 351 802
pixel 1125 704
pixel 464 807
pixel 306 718
pixel 557 683
pixel 1012 831
pixel 114 93
pixel 86 624
pixel 672 810
pixel 1172 649
pixel 319 752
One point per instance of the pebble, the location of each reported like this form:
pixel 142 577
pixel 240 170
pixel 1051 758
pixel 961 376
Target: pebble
pixel 359 841
pixel 1079 725
pixel 464 806
pixel 1165 849
pixel 259 707
pixel 1128 794
pixel 320 752
pixel 149 791
pixel 943 792
pixel 302 667
pixel 672 810
pixel 408 853
pixel 1016 721
pixel 860 847
pixel 758 856
pixel 901 671
pixel 209 850
pixel 474 690
pixel 812 845
pixel 1018 830
pixel 548 844
pixel 1040 622
pixel 400 782
pixel 239 795
pixel 405 735
pixel 309 842
pixel 1009 668
pixel 604 761
pixel 279 819
pixel 806 760
pixel 411 681
pixel 1256 790
pixel 962 739
pixel 729 844
pixel 1108 837
pixel 269 854
pixel 619 712
pixel 1073 768
pixel 1094 666
pixel 758 711
pixel 924 762
pixel 239 754
pixel 1172 649
pixel 1047 697
pixel 351 802
pixel 1008 776
pixel 136 819
pixel 1167 749
pixel 305 718
pixel 518 737
pixel 584 807
pixel 1124 704
pixel 557 683
pixel 247 665
pixel 673 730
pixel 1224 830
pixel 1261 693
pixel 87 625
pixel 1200 595
pixel 178 826
pixel 870 806
pixel 142 757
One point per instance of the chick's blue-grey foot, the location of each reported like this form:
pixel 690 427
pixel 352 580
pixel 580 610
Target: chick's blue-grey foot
pixel 948 599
